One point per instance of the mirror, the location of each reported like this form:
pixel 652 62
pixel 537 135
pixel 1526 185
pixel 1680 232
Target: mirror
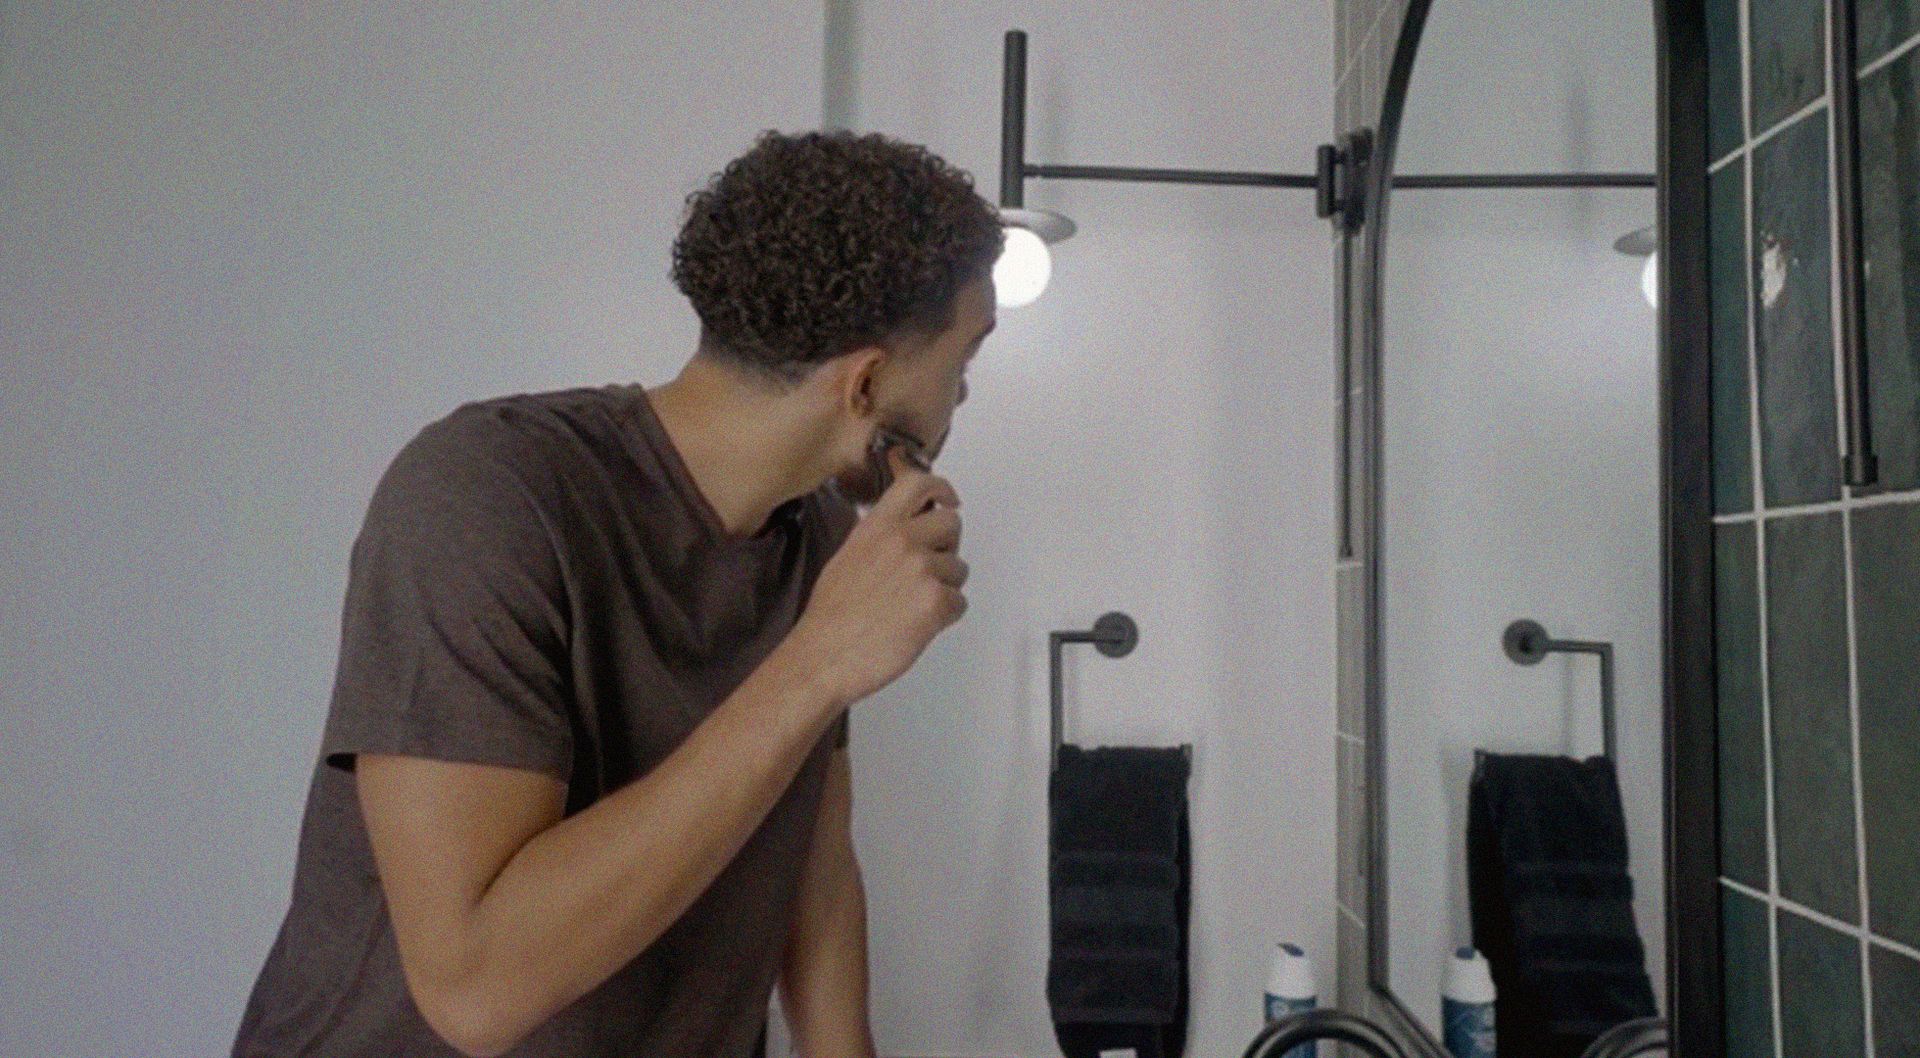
pixel 1520 481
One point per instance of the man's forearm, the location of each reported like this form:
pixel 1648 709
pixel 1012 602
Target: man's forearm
pixel 587 895
pixel 824 980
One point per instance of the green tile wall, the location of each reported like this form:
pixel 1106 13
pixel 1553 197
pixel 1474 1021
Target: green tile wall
pixel 1821 1009
pixel 1746 943
pixel 1886 558
pixel 1817 585
pixel 1787 43
pixel 1727 271
pixel 1742 731
pixel 1812 734
pixel 1885 24
pixel 1791 289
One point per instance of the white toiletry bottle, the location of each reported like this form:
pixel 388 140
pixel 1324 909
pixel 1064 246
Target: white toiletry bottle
pixel 1290 989
pixel 1466 1005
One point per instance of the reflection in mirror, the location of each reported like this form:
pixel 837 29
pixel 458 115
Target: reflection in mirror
pixel 1520 481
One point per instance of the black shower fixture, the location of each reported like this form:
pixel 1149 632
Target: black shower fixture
pixel 1338 180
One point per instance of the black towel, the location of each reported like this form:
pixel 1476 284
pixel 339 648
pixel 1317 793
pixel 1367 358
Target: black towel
pixel 1552 902
pixel 1117 887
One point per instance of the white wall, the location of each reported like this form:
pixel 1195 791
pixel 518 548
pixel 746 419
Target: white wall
pixel 1154 435
pixel 1521 444
pixel 245 252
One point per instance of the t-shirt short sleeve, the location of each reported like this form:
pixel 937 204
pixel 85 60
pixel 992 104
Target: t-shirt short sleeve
pixel 454 633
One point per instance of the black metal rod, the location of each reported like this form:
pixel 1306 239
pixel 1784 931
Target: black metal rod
pixel 1343 404
pixel 1171 176
pixel 1013 121
pixel 1310 181
pixel 1015 169
pixel 1862 468
pixel 1528 180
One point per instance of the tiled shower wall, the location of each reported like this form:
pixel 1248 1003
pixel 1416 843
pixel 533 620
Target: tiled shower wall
pixel 1817 584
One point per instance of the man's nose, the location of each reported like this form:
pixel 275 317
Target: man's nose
pixel 963 394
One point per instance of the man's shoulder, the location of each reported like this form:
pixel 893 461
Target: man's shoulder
pixel 540 435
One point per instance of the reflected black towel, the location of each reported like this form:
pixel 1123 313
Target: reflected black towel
pixel 1117 886
pixel 1552 902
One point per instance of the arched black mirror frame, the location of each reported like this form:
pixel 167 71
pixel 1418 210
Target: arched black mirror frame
pixel 1691 830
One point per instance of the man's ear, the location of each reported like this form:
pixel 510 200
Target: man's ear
pixel 857 383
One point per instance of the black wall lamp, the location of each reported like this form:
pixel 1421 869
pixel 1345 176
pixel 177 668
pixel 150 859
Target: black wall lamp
pixel 1339 183
pixel 1025 265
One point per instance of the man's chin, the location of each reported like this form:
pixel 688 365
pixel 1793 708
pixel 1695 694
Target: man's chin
pixel 857 486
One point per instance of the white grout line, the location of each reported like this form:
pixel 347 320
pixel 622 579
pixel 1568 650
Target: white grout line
pixel 1889 58
pixel 1836 318
pixel 1859 793
pixel 1788 122
pixel 1732 156
pixel 1850 503
pixel 1759 506
pixel 1838 926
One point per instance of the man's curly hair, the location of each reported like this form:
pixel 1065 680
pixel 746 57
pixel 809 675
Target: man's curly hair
pixel 814 244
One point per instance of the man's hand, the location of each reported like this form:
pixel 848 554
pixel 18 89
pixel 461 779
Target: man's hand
pixel 893 585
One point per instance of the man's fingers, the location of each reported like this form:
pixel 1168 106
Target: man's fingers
pixel 913 490
pixel 938 529
pixel 950 568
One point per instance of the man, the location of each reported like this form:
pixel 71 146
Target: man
pixel 583 788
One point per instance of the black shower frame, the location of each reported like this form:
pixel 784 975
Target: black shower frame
pixel 1691 834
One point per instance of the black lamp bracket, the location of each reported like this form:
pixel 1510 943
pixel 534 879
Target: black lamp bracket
pixel 1339 180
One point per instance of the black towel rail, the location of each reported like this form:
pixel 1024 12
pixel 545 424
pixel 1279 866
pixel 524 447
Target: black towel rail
pixel 1528 643
pixel 1114 635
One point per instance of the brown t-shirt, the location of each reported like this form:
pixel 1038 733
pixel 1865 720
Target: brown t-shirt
pixel 539 583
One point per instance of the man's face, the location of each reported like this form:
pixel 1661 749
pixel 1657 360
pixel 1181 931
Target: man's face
pixel 916 389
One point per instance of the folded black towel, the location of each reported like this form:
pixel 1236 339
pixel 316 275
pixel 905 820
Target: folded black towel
pixel 1117 880
pixel 1552 903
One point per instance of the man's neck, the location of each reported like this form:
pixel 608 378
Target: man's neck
pixel 746 448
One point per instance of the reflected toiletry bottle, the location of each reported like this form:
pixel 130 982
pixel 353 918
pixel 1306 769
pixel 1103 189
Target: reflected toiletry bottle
pixel 1466 1005
pixel 1290 990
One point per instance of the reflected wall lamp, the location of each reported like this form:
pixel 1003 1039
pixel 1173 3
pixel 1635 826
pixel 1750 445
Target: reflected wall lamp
pixel 1644 242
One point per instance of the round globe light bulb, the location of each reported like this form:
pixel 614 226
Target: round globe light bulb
pixel 1650 279
pixel 1022 271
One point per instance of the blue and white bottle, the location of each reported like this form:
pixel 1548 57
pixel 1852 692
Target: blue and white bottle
pixel 1466 1006
pixel 1290 990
